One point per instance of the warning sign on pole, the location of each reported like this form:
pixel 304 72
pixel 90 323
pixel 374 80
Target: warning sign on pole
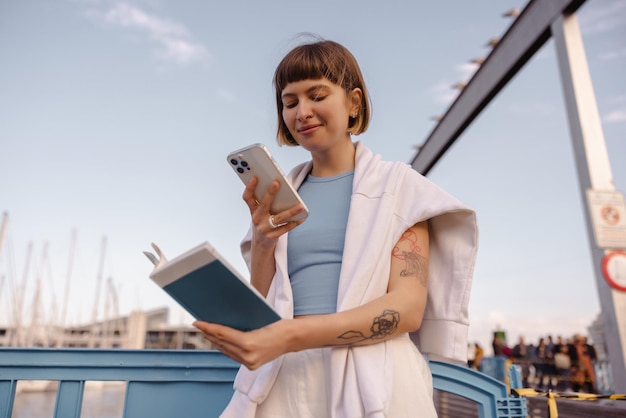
pixel 614 269
pixel 608 214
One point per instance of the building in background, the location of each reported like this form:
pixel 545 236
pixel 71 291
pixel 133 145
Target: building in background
pixel 139 330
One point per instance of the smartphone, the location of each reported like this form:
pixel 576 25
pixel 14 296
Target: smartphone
pixel 256 160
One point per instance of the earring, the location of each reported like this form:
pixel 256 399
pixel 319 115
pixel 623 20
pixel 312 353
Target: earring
pixel 353 116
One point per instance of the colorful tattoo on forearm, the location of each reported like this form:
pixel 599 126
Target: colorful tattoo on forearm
pixel 415 263
pixel 383 325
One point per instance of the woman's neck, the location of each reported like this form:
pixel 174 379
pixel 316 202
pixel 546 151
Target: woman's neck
pixel 336 160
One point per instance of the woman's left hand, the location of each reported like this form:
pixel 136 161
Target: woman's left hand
pixel 251 348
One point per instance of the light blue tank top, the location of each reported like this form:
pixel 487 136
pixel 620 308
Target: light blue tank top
pixel 315 248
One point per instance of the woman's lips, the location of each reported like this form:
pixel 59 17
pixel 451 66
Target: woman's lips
pixel 307 130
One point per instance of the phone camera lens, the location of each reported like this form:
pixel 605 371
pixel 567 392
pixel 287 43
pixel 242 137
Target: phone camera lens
pixel 233 161
pixel 241 170
pixel 244 163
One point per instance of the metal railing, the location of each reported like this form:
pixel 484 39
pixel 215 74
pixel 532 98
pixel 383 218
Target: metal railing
pixel 194 383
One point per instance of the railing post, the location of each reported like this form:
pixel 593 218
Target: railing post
pixel 69 399
pixel 7 387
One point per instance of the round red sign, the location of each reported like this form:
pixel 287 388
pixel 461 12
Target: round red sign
pixel 614 269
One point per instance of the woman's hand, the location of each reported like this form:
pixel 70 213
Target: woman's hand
pixel 267 227
pixel 252 348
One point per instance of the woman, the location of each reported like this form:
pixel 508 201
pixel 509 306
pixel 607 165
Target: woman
pixel 383 253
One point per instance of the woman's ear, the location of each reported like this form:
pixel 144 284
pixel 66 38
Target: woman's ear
pixel 355 97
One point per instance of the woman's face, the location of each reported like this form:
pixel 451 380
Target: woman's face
pixel 316 112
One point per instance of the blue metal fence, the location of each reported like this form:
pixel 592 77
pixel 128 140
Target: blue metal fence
pixel 192 383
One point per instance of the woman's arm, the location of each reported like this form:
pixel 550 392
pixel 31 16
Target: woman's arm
pixel 400 310
pixel 264 237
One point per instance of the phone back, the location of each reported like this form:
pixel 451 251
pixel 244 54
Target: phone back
pixel 256 160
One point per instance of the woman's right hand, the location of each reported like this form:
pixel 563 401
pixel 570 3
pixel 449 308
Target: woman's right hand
pixel 267 227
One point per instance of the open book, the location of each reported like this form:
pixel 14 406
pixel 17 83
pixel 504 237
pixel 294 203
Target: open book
pixel 210 289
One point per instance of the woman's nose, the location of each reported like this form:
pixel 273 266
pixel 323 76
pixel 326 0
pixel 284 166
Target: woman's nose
pixel 304 112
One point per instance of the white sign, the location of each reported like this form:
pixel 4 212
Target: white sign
pixel 608 214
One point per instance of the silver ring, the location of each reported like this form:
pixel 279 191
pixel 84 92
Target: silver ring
pixel 270 221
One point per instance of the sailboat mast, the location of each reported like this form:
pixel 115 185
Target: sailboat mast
pixel 20 294
pixel 37 334
pixel 70 265
pixel 3 228
pixel 94 313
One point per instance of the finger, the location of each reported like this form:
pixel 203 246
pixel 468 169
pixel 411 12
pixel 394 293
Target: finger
pixel 286 227
pixel 225 339
pixel 212 329
pixel 285 217
pixel 248 194
pixel 270 193
pixel 219 334
pixel 283 222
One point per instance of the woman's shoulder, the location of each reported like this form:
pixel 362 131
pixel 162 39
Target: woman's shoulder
pixel 377 165
pixel 373 164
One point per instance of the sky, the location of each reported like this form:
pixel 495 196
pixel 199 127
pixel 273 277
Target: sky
pixel 116 118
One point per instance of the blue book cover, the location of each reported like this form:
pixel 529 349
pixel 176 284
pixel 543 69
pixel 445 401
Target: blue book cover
pixel 210 289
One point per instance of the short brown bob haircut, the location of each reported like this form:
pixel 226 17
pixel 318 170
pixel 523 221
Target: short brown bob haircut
pixel 321 59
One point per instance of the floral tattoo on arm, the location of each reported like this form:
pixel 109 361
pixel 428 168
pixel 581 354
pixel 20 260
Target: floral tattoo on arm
pixel 415 263
pixel 416 266
pixel 383 325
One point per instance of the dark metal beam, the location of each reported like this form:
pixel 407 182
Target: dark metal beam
pixel 528 33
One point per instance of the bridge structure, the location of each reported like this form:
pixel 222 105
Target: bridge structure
pixel 603 206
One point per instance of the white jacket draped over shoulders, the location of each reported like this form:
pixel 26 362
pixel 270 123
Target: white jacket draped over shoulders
pixel 387 199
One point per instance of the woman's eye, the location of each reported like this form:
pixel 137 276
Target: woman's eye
pixel 290 105
pixel 318 97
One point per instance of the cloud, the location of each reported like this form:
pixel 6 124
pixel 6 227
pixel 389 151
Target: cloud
pixel 613 54
pixel 615 116
pixel 445 91
pixel 173 41
pixel 466 70
pixel 604 17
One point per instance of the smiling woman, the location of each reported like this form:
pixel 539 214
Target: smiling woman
pixel 362 294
